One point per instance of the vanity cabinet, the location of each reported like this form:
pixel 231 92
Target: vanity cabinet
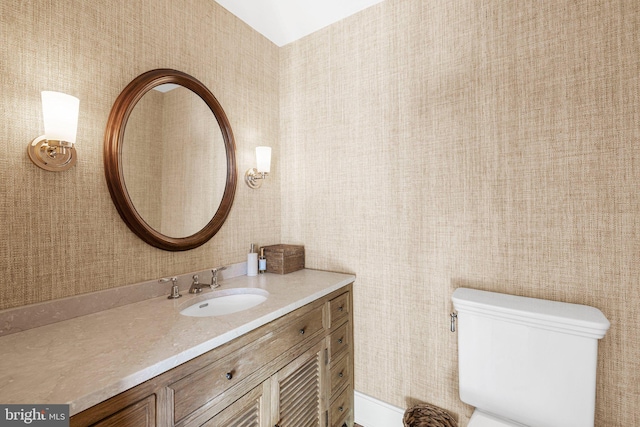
pixel 294 371
pixel 141 414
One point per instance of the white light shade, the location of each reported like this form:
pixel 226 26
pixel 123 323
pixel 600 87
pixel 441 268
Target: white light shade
pixel 60 114
pixel 263 159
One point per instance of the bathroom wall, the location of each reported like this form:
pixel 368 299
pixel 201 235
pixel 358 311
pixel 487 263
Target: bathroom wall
pixel 61 234
pixel 425 146
pixel 429 145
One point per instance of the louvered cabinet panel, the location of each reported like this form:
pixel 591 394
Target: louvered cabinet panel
pixel 251 410
pixel 297 391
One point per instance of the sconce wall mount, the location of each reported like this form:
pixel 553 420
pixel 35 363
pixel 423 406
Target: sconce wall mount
pixel 54 151
pixel 52 155
pixel 254 176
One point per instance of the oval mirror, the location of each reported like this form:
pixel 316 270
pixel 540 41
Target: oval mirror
pixel 169 158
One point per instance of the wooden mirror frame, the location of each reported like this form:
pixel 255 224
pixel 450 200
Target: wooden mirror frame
pixel 113 143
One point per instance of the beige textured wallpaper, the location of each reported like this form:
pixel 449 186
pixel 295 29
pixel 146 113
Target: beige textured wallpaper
pixel 429 145
pixel 423 145
pixel 61 234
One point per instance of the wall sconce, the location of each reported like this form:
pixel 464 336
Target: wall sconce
pixel 54 151
pixel 254 176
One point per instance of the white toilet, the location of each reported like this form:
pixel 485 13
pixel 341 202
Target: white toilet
pixel 525 361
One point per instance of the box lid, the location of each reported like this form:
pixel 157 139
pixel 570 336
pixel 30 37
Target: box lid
pixel 285 249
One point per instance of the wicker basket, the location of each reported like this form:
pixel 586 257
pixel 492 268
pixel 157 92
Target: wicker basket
pixel 425 415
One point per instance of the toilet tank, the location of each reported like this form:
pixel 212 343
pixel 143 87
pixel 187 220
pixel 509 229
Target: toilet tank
pixel 528 360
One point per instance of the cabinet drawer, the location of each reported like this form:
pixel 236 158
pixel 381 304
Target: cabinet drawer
pixel 339 341
pixel 339 309
pixel 341 410
pixel 340 374
pixel 193 391
pixel 196 389
pixel 297 330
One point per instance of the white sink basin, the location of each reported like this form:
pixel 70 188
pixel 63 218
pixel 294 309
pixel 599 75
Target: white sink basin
pixel 225 302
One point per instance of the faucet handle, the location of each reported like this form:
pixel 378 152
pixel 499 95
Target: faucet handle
pixel 214 276
pixel 195 279
pixel 175 291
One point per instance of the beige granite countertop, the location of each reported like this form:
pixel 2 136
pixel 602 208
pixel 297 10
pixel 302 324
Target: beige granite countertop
pixel 88 359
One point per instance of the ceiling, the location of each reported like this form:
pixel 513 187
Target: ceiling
pixel 284 21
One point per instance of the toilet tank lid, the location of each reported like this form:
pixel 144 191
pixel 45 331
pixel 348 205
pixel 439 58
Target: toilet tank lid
pixel 553 315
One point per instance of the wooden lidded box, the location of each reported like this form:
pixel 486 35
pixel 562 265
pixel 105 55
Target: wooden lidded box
pixel 284 259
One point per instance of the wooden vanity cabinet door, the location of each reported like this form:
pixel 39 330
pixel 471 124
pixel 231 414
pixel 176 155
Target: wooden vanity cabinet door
pixel 142 406
pixel 141 414
pixel 298 391
pixel 251 410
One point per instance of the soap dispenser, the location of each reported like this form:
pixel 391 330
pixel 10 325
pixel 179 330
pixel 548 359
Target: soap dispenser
pixel 252 262
pixel 262 262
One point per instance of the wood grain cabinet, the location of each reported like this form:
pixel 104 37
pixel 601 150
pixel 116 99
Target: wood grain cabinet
pixel 295 371
pixel 340 365
pixel 251 410
pixel 142 413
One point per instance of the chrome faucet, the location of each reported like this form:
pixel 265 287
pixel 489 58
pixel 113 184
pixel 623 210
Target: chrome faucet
pixel 196 287
pixel 214 277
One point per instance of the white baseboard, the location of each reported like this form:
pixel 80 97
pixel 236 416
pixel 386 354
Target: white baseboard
pixel 371 412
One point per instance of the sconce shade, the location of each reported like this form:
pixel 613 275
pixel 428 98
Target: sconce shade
pixel 54 151
pixel 60 114
pixel 263 159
